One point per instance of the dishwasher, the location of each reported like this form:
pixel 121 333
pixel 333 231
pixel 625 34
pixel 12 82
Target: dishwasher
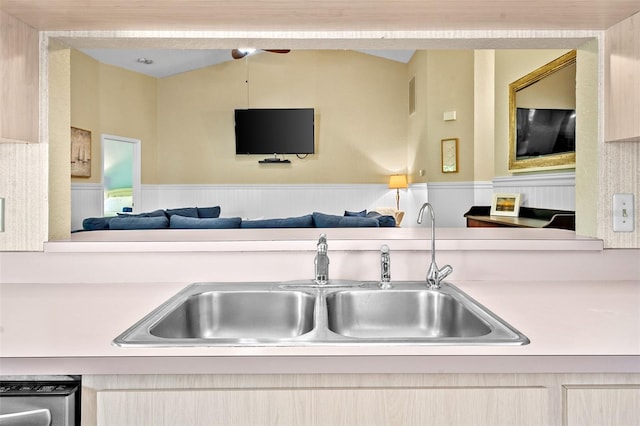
pixel 40 400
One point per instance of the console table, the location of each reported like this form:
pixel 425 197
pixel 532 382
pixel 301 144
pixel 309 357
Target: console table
pixel 479 216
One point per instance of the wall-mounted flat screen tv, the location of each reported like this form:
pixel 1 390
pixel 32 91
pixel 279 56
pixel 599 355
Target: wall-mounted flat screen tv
pixel 545 131
pixel 274 131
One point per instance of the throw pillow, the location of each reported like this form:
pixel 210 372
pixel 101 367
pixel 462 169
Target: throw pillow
pixel 185 211
pixel 362 213
pixel 208 212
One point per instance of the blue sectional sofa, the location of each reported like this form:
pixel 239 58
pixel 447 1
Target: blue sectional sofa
pixel 209 218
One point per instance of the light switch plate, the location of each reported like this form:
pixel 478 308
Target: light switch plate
pixel 1 214
pixel 623 213
pixel 449 116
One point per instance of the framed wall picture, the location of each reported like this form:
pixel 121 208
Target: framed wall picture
pixel 80 152
pixel 449 148
pixel 505 205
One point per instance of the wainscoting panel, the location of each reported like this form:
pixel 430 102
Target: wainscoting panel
pixel 86 201
pixel 268 201
pixel 449 199
pixel 257 201
pixel 545 191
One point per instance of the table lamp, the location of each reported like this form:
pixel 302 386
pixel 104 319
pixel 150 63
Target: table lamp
pixel 396 182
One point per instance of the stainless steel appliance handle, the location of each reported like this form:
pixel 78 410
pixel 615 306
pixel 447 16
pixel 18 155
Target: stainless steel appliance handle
pixel 40 417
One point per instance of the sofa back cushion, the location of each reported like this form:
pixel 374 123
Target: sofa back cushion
pixel 305 221
pixel 183 222
pixel 138 222
pixel 323 220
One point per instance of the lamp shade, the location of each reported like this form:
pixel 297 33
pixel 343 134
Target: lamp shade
pixel 398 181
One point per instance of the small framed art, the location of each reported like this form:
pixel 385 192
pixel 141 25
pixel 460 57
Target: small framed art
pixel 449 149
pixel 505 205
pixel 80 152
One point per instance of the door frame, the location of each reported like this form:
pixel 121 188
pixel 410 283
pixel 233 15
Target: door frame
pixel 136 173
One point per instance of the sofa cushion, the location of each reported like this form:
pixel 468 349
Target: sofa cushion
pixel 184 222
pixel 208 212
pixel 138 222
pixel 323 220
pixel 185 211
pixel 362 213
pixel 383 220
pixel 305 221
pixel 96 223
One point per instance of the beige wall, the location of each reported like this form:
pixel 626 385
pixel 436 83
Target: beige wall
pixel 59 142
pixel 361 106
pixel 361 111
pixel 417 129
pixel 557 90
pixel 444 82
pixel 111 100
pixel 484 115
pixel 186 121
pixel 587 157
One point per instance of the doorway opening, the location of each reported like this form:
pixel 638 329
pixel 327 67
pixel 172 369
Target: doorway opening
pixel 120 174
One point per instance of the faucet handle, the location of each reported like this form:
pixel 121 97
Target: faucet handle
pixel 385 267
pixel 435 275
pixel 444 272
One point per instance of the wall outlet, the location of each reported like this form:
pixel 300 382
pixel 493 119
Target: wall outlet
pixel 623 213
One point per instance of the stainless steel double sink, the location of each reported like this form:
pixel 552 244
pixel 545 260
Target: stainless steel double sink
pixel 304 314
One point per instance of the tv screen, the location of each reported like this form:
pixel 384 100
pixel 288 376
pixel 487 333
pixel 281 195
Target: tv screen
pixel 545 131
pixel 274 131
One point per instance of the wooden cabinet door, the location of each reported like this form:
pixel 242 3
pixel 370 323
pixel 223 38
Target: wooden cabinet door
pixel 344 406
pixel 19 88
pixel 603 406
pixel 622 80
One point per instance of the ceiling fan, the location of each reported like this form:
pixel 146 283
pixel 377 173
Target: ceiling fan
pixel 241 53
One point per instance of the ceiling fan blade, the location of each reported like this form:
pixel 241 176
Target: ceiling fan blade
pixel 237 54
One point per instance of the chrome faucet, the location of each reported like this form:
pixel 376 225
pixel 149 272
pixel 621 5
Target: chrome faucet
pixel 434 275
pixel 385 268
pixel 322 261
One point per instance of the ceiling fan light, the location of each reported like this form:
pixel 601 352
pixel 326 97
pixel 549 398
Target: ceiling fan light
pixel 247 50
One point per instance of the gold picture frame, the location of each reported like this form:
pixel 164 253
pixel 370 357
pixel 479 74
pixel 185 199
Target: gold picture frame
pixel 80 152
pixel 548 161
pixel 449 155
pixel 505 205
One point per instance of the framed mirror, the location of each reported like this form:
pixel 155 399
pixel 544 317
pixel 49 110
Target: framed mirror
pixel 542 117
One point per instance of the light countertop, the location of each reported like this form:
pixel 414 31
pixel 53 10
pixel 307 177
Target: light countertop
pixel 234 240
pixel 574 326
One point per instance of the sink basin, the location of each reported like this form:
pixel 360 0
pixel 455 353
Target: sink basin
pixel 210 314
pixel 402 314
pixel 300 313
pixel 239 315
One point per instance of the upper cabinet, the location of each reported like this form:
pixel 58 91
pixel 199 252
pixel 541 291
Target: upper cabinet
pixel 622 80
pixel 19 90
